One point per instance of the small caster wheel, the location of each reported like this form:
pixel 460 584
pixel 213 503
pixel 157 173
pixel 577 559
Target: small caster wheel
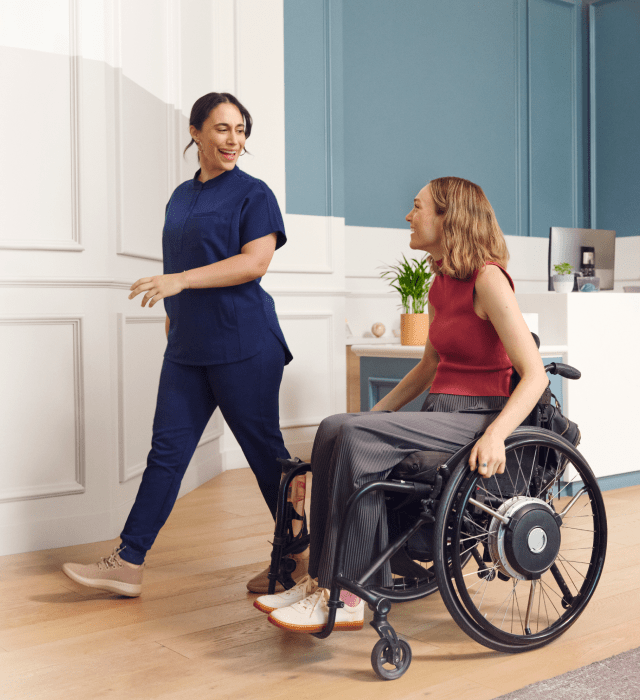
pixel 382 659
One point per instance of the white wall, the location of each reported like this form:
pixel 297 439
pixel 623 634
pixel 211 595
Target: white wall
pixel 100 93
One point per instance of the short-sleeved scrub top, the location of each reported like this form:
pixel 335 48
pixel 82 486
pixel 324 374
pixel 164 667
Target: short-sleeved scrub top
pixel 206 222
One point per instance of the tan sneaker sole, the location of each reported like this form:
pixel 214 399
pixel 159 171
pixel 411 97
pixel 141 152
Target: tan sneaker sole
pixel 352 626
pixel 263 608
pixel 131 590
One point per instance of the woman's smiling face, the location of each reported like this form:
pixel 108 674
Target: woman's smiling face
pixel 221 140
pixel 426 225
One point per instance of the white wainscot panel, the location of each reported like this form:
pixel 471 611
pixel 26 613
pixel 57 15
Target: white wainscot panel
pixel 146 123
pixel 368 249
pixel 141 345
pixel 42 424
pixel 309 246
pixel 308 391
pixel 31 77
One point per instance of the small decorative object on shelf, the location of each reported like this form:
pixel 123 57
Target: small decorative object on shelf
pixel 588 284
pixel 563 280
pixel 378 329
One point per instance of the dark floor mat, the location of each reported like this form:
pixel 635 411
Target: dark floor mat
pixel 616 678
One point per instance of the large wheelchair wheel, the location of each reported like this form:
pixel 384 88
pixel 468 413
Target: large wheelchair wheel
pixel 518 556
pixel 413 577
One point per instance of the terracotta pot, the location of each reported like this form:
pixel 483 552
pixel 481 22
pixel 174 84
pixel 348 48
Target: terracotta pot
pixel 414 329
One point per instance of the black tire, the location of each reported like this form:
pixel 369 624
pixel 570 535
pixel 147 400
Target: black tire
pixel 493 597
pixel 381 655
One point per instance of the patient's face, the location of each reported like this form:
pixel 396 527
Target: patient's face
pixel 426 225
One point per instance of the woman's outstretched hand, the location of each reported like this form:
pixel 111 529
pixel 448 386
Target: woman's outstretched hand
pixel 159 287
pixel 488 456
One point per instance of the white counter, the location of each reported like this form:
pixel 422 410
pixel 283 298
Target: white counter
pixel 602 335
pixel 397 350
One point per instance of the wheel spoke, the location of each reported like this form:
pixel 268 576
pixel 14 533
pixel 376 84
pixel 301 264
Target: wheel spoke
pixel 545 589
pixel 564 561
pixel 527 619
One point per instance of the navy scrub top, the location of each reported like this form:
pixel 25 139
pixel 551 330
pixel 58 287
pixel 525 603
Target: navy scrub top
pixel 205 223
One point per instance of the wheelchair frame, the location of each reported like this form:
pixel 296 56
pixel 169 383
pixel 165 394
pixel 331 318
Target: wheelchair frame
pixel 441 504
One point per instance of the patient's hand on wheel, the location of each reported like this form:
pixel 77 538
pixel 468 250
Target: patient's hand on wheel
pixel 488 456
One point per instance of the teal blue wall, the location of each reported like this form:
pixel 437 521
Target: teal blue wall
pixel 615 105
pixel 383 95
pixel 313 78
pixel 430 90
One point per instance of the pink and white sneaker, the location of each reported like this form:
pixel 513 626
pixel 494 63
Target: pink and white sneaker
pixel 312 613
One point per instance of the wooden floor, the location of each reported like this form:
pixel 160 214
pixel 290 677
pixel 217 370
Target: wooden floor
pixel 194 633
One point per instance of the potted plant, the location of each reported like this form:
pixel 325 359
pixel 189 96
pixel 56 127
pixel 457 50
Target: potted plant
pixel 412 279
pixel 563 279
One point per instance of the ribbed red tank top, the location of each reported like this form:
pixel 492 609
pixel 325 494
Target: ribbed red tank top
pixel 473 361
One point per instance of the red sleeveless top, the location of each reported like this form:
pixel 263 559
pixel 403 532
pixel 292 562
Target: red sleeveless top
pixel 473 361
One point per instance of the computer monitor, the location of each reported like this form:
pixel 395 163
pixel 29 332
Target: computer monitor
pixel 566 244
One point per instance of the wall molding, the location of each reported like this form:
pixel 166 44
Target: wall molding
pixel 73 243
pixel 100 282
pixel 64 488
pixel 304 422
pixel 521 49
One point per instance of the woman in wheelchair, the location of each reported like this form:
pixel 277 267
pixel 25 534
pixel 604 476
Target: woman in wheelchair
pixel 477 337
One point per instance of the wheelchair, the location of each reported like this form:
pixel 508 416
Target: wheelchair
pixel 516 558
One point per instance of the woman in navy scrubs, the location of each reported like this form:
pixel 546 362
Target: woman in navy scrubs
pixel 224 344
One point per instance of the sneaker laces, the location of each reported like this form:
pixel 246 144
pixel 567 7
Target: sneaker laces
pixel 111 562
pixel 309 603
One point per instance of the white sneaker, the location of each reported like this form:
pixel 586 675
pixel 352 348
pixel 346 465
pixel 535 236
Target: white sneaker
pixel 267 603
pixel 312 614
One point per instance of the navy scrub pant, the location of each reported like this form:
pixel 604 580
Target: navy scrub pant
pixel 247 393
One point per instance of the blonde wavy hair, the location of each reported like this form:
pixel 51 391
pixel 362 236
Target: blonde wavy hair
pixel 471 235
